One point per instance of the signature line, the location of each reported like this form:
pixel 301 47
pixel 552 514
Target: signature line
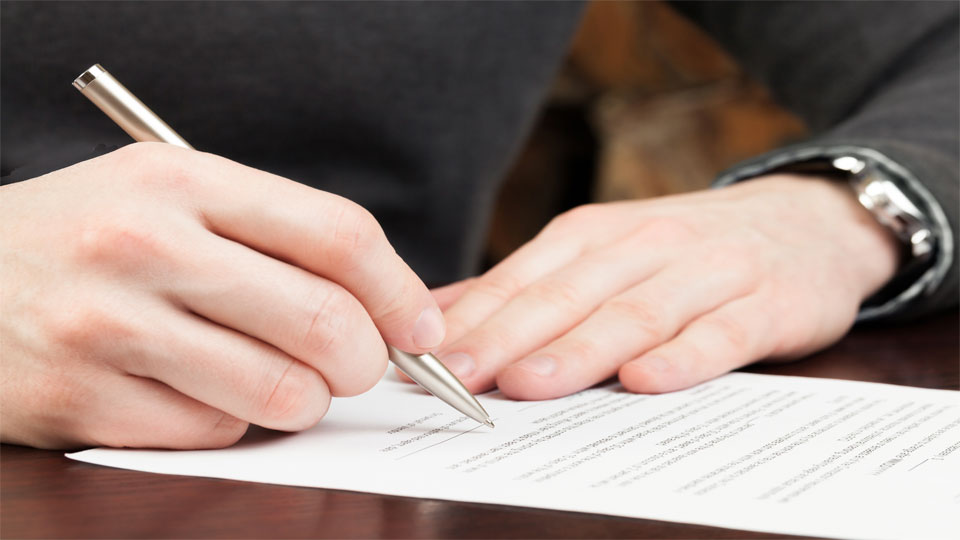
pixel 441 442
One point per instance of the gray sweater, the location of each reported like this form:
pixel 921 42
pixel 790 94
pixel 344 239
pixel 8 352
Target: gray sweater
pixel 406 107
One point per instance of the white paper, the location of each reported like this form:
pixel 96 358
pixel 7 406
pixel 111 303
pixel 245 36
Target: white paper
pixel 785 455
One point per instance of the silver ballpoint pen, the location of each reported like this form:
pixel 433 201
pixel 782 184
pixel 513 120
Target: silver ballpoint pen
pixel 142 124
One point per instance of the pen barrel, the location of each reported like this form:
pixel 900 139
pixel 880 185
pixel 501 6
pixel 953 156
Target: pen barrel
pixel 128 112
pixel 427 371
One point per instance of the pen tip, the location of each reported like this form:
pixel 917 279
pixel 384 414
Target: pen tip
pixel 489 422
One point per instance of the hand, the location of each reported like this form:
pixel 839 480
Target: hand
pixel 670 292
pixel 160 297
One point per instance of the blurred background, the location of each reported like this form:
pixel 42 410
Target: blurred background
pixel 646 104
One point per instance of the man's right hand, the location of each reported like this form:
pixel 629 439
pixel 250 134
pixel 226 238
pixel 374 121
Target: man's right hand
pixel 161 297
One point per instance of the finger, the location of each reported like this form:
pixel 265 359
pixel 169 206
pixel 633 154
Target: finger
pixel 557 246
pixel 477 298
pixel 317 231
pixel 448 294
pixel 310 318
pixel 488 293
pixel 143 413
pixel 445 297
pixel 716 343
pixel 229 371
pixel 547 309
pixel 622 329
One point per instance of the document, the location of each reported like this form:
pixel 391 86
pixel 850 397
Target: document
pixel 788 455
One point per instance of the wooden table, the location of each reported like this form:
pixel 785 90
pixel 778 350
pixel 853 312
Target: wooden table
pixel 43 494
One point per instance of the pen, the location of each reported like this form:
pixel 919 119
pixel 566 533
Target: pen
pixel 142 124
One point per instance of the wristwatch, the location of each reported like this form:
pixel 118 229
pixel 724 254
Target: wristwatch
pixel 879 194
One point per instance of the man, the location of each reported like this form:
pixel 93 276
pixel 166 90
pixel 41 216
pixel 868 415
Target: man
pixel 160 297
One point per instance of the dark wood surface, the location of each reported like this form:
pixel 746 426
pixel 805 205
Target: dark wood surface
pixel 44 495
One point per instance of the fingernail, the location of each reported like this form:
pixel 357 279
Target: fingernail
pixel 429 330
pixel 543 366
pixel 461 364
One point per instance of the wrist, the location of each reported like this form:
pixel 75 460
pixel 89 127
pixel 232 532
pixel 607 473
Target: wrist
pixel 858 246
pixel 897 197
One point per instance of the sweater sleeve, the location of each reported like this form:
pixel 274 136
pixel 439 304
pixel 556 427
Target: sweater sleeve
pixel 875 79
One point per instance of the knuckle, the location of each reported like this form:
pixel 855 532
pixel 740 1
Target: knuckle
pixel 401 306
pixel 159 165
pixel 356 233
pixel 62 400
pixel 226 431
pixel 742 266
pixel 579 350
pixel 730 330
pixel 736 264
pixel 585 212
pixel 556 292
pixel 86 329
pixel 288 404
pixel 138 152
pixel 670 230
pixel 499 287
pixel 491 341
pixel 74 329
pixel 119 241
pixel 395 312
pixel 639 313
pixel 327 307
pixel 575 217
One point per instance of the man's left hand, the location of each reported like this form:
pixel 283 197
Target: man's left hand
pixel 669 292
